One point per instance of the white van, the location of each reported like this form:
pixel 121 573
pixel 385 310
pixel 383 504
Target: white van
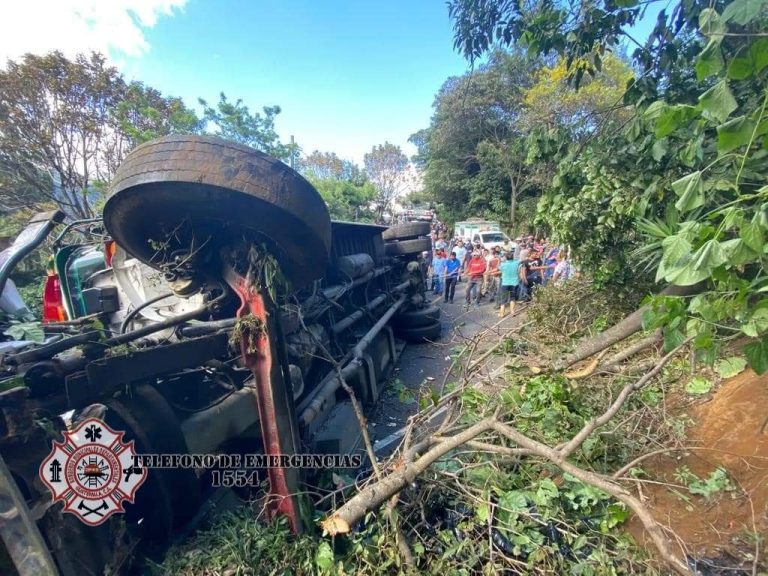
pixel 487 232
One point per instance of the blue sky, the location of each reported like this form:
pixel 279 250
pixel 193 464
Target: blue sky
pixel 348 74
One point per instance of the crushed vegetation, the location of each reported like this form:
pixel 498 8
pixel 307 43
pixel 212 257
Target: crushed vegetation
pixel 482 509
pixel 248 329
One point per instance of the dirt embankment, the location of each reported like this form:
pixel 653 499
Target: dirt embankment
pixel 730 431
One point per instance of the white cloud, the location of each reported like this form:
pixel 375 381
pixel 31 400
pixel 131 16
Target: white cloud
pixel 112 27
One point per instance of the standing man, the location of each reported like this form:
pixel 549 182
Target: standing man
pixel 441 244
pixel 461 254
pixel 511 280
pixel 493 273
pixel 452 266
pixel 475 271
pixel 438 271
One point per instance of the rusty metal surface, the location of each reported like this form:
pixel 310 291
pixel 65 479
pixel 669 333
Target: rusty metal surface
pixel 274 402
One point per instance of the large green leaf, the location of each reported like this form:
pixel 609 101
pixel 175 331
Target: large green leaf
pixel 718 102
pixel 691 192
pixel 710 60
pixel 676 249
pixel 730 367
pixel 757 324
pixel 752 235
pixel 759 53
pixel 698 385
pixel 734 134
pixel 743 11
pixel 738 252
pixel 709 256
pixel 659 149
pixel 673 117
pixel 757 355
pixel 749 61
pixel 711 24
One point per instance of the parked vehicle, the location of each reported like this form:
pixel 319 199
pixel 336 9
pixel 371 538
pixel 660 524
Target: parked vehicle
pixel 418 215
pixel 487 232
pixel 216 309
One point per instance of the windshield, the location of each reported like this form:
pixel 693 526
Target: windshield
pixel 494 237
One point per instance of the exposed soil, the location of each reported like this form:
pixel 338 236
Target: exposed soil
pixel 730 430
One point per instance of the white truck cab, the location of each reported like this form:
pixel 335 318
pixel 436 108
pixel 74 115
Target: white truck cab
pixel 487 232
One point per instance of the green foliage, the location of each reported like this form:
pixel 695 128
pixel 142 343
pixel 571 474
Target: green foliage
pixel 696 142
pixel 346 200
pixel 716 483
pixel 144 114
pixel 234 121
pixel 17 330
pixel 698 385
pixel 730 367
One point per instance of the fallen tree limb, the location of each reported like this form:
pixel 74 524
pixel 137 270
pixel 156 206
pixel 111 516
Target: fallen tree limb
pixel 621 331
pixel 654 338
pixel 375 494
pixel 606 485
pixel 386 489
pixel 615 406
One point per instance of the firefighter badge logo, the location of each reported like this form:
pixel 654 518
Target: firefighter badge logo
pixel 92 472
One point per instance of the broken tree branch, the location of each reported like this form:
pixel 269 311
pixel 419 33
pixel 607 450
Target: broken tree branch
pixel 613 409
pixel 375 494
pixel 601 482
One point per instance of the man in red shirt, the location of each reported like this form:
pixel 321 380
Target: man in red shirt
pixel 475 270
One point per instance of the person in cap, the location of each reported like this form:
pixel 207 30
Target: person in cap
pixel 475 271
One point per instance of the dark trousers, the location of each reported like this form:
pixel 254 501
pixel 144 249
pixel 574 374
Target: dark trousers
pixel 473 290
pixel 450 288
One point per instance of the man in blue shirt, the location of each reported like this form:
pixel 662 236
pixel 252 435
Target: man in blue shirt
pixel 452 266
pixel 512 274
pixel 438 271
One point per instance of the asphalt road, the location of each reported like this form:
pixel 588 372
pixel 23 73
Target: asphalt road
pixel 423 367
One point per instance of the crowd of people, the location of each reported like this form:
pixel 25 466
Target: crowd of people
pixel 503 274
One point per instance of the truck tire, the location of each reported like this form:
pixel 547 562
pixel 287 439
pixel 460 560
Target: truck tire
pixel 417 318
pixel 408 247
pixel 406 231
pixel 429 332
pixel 221 191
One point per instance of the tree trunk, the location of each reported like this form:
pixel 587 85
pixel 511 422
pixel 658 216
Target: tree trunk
pixel 618 332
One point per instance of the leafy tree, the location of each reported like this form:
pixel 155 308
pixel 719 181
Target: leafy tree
pixel 387 169
pixel 472 152
pixel 346 200
pixel 65 126
pixel 144 114
pixel 328 166
pixel 55 115
pixel 685 178
pixel 234 121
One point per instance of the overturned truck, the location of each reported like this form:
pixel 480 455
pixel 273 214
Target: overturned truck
pixel 233 317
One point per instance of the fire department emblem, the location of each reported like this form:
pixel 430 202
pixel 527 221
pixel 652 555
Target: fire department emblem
pixel 92 472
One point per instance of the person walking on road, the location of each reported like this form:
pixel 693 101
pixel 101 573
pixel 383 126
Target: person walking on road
pixel 475 271
pixel 512 274
pixel 452 266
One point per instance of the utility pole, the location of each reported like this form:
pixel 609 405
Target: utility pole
pixel 293 153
